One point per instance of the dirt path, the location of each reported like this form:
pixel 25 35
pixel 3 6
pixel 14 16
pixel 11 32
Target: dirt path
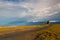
pixel 21 35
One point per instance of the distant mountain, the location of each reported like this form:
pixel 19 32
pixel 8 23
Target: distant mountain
pixel 36 23
pixel 57 22
pixel 19 23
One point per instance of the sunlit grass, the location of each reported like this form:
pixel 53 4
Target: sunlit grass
pixel 51 33
pixel 46 32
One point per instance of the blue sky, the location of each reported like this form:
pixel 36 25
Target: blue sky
pixel 23 11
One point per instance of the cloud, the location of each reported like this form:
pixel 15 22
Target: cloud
pixel 53 21
pixel 11 0
pixel 31 10
pixel 42 9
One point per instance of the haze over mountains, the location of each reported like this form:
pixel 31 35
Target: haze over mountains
pixel 23 23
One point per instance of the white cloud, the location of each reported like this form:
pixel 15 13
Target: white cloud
pixel 36 8
pixel 53 21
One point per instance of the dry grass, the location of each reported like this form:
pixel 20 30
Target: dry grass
pixel 11 29
pixel 50 33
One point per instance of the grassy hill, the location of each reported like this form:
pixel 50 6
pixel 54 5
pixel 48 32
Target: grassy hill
pixel 37 32
pixel 52 33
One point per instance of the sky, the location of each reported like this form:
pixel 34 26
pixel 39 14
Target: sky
pixel 21 11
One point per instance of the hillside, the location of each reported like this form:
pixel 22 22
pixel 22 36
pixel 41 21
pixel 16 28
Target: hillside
pixel 37 32
pixel 52 33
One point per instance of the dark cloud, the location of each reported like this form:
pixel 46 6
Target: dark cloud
pixel 13 1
